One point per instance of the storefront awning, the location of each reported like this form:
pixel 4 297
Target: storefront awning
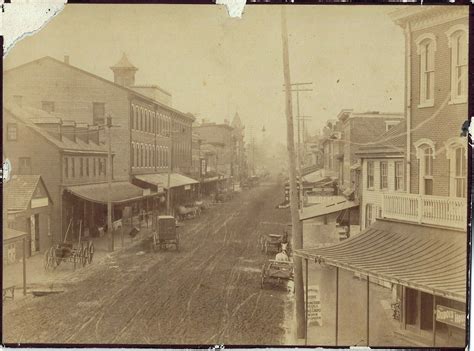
pixel 121 192
pixel 327 205
pixel 429 259
pixel 161 179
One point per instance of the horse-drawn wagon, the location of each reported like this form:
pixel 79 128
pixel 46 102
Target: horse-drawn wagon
pixel 277 272
pixel 167 234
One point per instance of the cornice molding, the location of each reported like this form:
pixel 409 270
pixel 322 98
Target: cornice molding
pixel 426 18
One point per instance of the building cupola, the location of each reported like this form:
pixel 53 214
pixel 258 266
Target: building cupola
pixel 124 72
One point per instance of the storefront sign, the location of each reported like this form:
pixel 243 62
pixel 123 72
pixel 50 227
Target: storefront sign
pixel 451 316
pixel 41 202
pixel 314 306
pixel 146 192
pixel 187 187
pixel 203 168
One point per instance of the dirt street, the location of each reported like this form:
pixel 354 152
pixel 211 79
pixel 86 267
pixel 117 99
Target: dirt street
pixel 208 293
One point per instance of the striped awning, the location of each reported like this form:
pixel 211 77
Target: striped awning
pixel 429 259
pixel 121 192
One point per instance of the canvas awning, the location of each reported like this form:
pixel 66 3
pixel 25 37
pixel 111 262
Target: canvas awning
pixel 429 259
pixel 327 205
pixel 121 192
pixel 161 179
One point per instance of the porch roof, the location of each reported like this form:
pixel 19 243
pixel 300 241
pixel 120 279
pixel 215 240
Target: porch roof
pixel 161 179
pixel 328 205
pixel 121 192
pixel 421 257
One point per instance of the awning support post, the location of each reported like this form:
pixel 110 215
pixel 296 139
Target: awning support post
pixel 306 308
pixel 337 303
pixel 368 321
pixel 434 320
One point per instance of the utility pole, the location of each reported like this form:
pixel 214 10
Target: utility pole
pixel 110 229
pixel 297 232
pixel 299 87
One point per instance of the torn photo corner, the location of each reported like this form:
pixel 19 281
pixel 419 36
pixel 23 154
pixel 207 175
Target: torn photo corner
pixel 297 176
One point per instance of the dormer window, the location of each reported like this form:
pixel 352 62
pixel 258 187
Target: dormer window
pixel 457 41
pixel 426 47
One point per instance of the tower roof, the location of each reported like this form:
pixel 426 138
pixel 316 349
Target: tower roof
pixel 124 63
pixel 236 122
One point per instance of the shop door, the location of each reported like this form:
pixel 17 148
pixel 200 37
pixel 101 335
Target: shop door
pixel 426 312
pixel 412 309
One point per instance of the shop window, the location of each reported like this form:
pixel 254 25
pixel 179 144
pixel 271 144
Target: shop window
pixel 12 131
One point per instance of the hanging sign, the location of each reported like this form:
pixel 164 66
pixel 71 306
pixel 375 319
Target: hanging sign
pixel 451 316
pixel 314 305
pixel 203 168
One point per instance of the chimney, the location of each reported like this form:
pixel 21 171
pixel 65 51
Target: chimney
pixel 124 72
pixel 66 59
pixel 68 130
pixel 82 132
pixel 94 134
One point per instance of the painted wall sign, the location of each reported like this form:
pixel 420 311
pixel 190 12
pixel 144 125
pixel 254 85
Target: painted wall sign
pixel 41 202
pixel 314 305
pixel 451 316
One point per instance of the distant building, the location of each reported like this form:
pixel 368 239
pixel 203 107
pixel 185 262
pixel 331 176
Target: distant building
pixel 239 162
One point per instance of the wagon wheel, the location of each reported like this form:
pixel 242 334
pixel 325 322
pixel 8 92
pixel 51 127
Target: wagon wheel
pixel 91 252
pixel 48 259
pixel 262 282
pixel 85 256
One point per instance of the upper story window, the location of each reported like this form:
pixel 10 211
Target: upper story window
pixel 98 113
pixel 370 174
pixel 425 152
pixel 66 167
pixel 457 41
pixel 47 106
pixel 24 165
pixel 383 175
pixel 399 176
pixel 456 151
pixel 426 48
pixel 12 131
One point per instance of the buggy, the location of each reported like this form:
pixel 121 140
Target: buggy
pixel 277 272
pixel 272 243
pixel 166 235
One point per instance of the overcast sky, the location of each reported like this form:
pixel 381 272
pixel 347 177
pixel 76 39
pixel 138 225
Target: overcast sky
pixel 215 65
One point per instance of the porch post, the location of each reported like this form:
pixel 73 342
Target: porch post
pixel 306 309
pixel 24 265
pixel 368 321
pixel 337 303
pixel 434 320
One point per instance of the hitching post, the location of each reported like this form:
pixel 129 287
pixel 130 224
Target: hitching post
pixel 24 266
pixel 337 302
pixel 306 316
pixel 368 282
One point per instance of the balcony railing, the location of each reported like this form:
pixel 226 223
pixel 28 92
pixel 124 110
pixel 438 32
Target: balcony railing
pixel 427 209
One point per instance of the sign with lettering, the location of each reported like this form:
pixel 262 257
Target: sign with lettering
pixel 41 202
pixel 146 192
pixel 314 305
pixel 187 187
pixel 203 167
pixel 451 316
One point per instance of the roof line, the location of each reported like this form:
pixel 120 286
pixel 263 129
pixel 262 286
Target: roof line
pixel 102 79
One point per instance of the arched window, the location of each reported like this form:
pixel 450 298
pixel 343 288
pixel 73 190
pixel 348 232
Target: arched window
pixel 425 152
pixel 133 155
pixel 457 41
pixel 133 119
pixel 456 152
pixel 426 47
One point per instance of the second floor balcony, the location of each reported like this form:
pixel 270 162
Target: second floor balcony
pixel 426 209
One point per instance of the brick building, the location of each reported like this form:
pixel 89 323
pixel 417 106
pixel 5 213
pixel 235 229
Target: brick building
pixel 239 162
pixel 145 123
pixel 220 137
pixel 39 143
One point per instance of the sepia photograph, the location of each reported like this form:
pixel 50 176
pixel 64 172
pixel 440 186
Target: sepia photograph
pixel 298 176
